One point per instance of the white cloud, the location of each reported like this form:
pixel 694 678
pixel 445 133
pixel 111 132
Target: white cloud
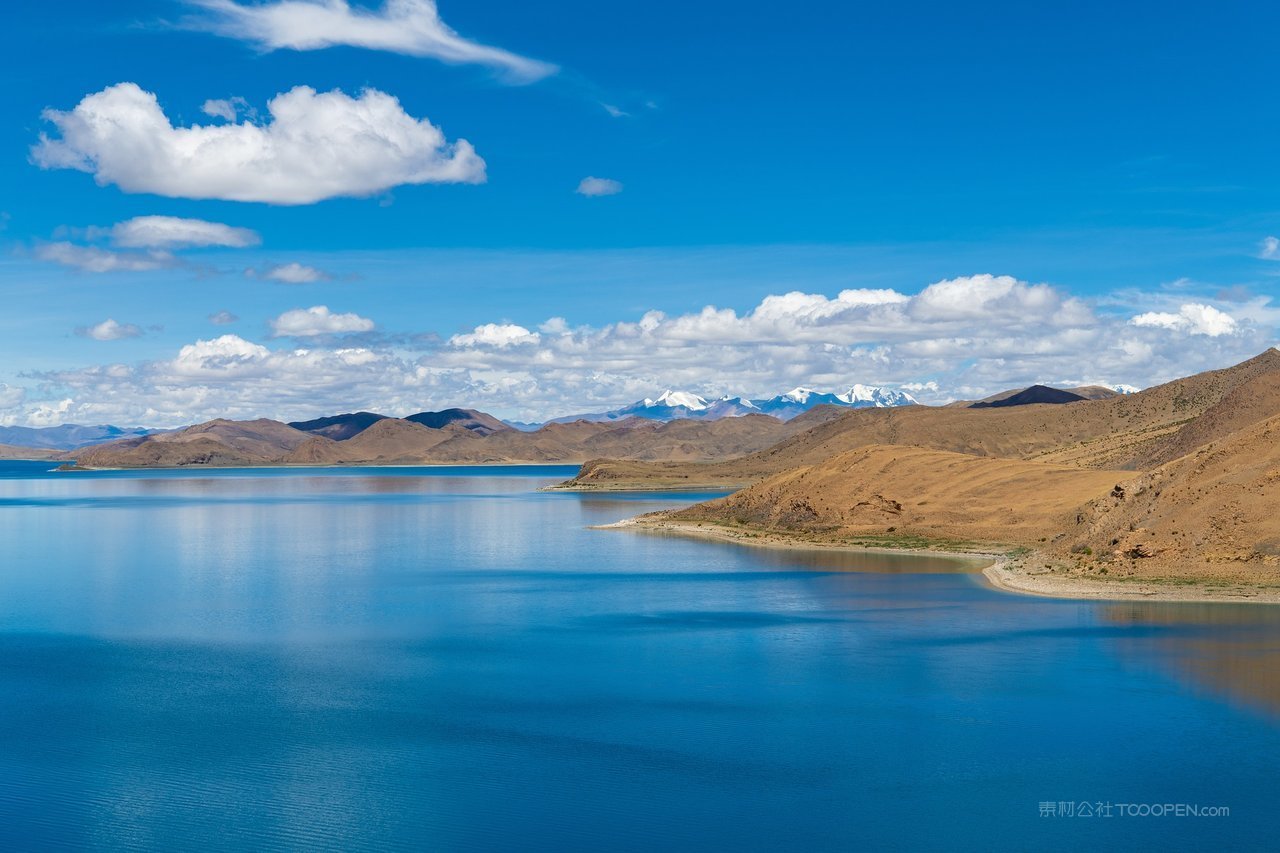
pixel 97 260
pixel 593 187
pixel 223 318
pixel 1031 333
pixel 172 232
pixel 1269 249
pixel 316 146
pixel 292 273
pixel 496 335
pixel 318 320
pixel 615 112
pixel 110 330
pixel 1193 318
pixel 411 27
pixel 217 356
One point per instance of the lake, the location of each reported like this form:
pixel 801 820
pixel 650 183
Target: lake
pixel 448 659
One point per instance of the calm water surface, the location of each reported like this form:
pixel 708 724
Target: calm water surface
pixel 446 659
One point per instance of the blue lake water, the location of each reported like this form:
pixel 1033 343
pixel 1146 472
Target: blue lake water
pixel 447 659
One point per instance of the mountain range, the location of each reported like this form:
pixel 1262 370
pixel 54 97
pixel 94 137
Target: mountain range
pixel 67 436
pixel 675 405
pixel 669 406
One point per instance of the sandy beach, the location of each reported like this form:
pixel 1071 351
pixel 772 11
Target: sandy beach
pixel 1005 569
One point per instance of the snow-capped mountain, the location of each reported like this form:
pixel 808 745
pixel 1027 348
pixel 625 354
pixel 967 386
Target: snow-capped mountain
pixel 674 405
pixel 800 400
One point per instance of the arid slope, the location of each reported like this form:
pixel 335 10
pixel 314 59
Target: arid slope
pixel 912 491
pixel 1134 432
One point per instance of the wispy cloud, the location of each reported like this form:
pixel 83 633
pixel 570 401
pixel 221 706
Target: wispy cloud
pixel 172 232
pixel 142 244
pixel 592 186
pixel 1269 249
pixel 223 318
pixel 290 273
pixel 98 260
pixel 410 27
pixel 317 145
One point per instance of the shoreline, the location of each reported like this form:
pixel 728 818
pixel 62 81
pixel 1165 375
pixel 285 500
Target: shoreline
pixel 79 469
pixel 727 488
pixel 998 569
pixel 977 559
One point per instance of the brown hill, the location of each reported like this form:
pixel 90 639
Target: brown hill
pixel 479 422
pixel 389 441
pixel 216 443
pixel 1087 392
pixel 911 491
pixel 1029 397
pixel 1217 507
pixel 396 441
pixel 1211 515
pixel 339 427
pixel 633 438
pixel 1121 432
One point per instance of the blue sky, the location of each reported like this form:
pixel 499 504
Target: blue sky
pixel 1113 161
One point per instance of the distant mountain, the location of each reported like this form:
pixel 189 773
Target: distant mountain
pixel 396 441
pixel 800 400
pixel 1086 392
pixel 67 436
pixel 339 427
pixel 9 452
pixel 678 405
pixel 478 422
pixel 1030 396
pixel 348 426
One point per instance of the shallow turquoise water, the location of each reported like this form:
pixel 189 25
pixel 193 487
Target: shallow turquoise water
pixel 447 659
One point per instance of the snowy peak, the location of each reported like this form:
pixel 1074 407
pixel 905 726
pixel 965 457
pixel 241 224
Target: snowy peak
pixel 797 395
pixel 875 396
pixel 679 399
pixel 673 405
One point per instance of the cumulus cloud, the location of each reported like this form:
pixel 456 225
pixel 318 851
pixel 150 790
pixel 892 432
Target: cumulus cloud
pixel 318 320
pixel 411 27
pixel 1193 318
pixel 1026 333
pixel 291 273
pixel 97 260
pixel 316 145
pixel 173 232
pixel 223 318
pixel 592 187
pixel 496 335
pixel 110 330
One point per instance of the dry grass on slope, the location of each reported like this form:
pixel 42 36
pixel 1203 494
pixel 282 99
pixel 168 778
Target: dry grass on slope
pixel 914 492
pixel 1214 511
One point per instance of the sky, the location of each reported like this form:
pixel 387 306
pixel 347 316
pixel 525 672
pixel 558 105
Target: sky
pixel 292 208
